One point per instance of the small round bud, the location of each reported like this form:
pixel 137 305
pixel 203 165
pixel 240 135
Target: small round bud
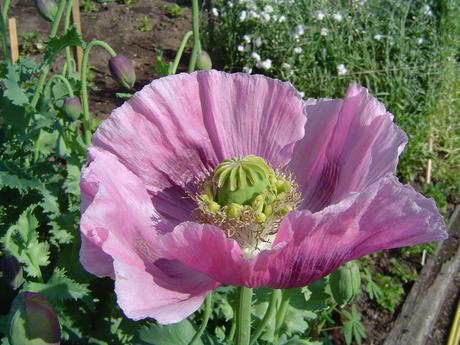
pixel 32 320
pixel 122 71
pixel 12 271
pixel 203 61
pixel 345 283
pixel 47 9
pixel 72 107
pixel 260 217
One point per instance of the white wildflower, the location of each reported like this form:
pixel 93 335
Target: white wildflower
pixel 378 37
pixel 298 31
pixel 427 10
pixel 281 19
pixel 420 40
pixel 297 50
pixel 301 94
pixel 319 15
pixel 243 16
pixel 337 17
pixel 266 64
pixel 247 69
pixel 286 65
pixel 268 9
pixel 255 56
pixel 215 12
pixel 258 42
pixel 247 38
pixel 240 48
pixel 341 69
pixel 324 31
pixel 265 17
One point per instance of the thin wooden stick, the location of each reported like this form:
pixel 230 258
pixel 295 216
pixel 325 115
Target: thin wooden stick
pixel 14 46
pixel 77 22
pixel 429 164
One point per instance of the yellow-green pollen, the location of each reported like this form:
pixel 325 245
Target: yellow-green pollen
pixel 248 199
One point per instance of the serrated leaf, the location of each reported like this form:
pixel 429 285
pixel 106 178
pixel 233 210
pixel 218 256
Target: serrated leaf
pixel 12 181
pixel 13 91
pixel 72 181
pixel 176 334
pixel 59 287
pixel 49 204
pixel 21 240
pixel 56 44
pixel 353 327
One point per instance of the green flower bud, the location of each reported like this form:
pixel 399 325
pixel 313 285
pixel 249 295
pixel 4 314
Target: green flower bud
pixel 345 283
pixel 72 107
pixel 47 9
pixel 32 321
pixel 203 61
pixel 122 71
pixel 11 271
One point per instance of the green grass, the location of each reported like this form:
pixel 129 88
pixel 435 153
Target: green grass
pixel 403 51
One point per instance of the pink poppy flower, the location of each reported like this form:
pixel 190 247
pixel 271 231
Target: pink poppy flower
pixel 169 227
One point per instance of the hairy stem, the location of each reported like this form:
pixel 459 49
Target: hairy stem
pixel 204 323
pixel 68 70
pixel 281 313
pixel 84 86
pixel 180 51
pixel 61 78
pixel 46 69
pixel 196 36
pixel 276 294
pixel 243 322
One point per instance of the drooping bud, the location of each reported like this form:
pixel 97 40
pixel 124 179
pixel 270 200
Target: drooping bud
pixel 32 320
pixel 11 271
pixel 47 9
pixel 72 107
pixel 203 61
pixel 122 71
pixel 345 283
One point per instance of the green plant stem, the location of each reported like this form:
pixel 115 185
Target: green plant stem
pixel 67 70
pixel 281 313
pixel 5 9
pixel 84 86
pixel 5 51
pixel 196 36
pixel 180 51
pixel 61 78
pixel 46 69
pixel 243 321
pixel 231 334
pixel 276 294
pixel 204 323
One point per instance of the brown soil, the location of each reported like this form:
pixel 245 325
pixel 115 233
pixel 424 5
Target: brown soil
pixel 119 25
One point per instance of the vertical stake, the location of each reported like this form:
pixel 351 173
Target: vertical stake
pixel 429 164
pixel 77 22
pixel 14 46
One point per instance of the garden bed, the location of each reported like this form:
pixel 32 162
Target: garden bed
pixel 120 25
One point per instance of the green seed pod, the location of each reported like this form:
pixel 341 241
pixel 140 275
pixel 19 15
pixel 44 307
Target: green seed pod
pixel 47 9
pixel 72 107
pixel 122 70
pixel 203 61
pixel 12 271
pixel 32 321
pixel 345 283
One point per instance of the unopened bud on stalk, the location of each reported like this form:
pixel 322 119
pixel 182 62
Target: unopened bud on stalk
pixel 203 61
pixel 32 320
pixel 11 271
pixel 72 107
pixel 122 71
pixel 47 9
pixel 345 283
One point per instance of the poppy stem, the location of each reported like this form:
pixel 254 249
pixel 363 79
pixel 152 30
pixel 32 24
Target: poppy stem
pixel 276 294
pixel 84 86
pixel 243 322
pixel 204 323
pixel 281 313
pixel 196 36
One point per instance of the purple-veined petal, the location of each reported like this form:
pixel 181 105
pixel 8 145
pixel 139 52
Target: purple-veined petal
pixel 311 245
pixel 348 145
pixel 119 226
pixel 176 130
